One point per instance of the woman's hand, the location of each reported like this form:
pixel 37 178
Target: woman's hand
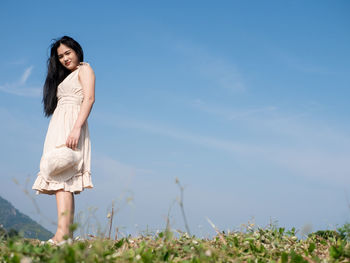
pixel 73 138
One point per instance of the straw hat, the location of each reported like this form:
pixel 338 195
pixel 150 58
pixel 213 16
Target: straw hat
pixel 61 163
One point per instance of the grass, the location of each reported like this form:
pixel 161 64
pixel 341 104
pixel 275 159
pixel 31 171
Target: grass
pixel 250 244
pixel 270 244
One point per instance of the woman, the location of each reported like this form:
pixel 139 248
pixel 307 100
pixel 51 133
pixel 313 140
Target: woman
pixel 68 95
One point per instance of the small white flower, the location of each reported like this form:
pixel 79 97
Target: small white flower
pixel 208 253
pixel 185 235
pixel 77 238
pixel 138 257
pixel 116 254
pixel 26 260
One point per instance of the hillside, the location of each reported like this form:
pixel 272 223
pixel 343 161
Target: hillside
pixel 12 218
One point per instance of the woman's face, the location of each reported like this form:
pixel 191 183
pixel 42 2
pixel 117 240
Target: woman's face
pixel 67 57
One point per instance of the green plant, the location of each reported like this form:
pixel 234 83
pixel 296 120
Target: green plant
pixel 325 234
pixel 344 231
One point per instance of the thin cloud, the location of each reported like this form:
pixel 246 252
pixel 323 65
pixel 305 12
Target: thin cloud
pixel 306 147
pixel 210 142
pixel 26 75
pixel 221 72
pixel 300 125
pixel 111 168
pixel 314 160
pixel 18 62
pixel 232 114
pixel 300 64
pixel 329 166
pixel 20 87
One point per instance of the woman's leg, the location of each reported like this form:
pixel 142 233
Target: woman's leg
pixel 65 213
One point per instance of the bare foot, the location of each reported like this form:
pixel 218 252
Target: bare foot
pixel 59 236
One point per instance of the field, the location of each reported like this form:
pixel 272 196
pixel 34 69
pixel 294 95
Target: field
pixel 254 244
pixel 250 244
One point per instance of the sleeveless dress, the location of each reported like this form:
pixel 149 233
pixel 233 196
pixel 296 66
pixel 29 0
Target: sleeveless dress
pixel 69 99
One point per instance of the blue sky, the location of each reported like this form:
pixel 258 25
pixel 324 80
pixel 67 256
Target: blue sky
pixel 246 102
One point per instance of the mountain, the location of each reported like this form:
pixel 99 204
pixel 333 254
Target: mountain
pixel 11 218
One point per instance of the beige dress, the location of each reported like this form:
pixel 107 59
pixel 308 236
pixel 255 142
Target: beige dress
pixel 69 99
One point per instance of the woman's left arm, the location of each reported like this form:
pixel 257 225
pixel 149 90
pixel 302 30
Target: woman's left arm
pixel 87 80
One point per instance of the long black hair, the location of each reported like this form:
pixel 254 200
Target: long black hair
pixel 56 72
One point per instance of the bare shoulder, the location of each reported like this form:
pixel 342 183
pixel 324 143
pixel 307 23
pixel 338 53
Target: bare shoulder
pixel 85 70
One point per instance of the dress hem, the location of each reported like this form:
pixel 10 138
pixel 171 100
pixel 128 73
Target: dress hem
pixel 76 184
